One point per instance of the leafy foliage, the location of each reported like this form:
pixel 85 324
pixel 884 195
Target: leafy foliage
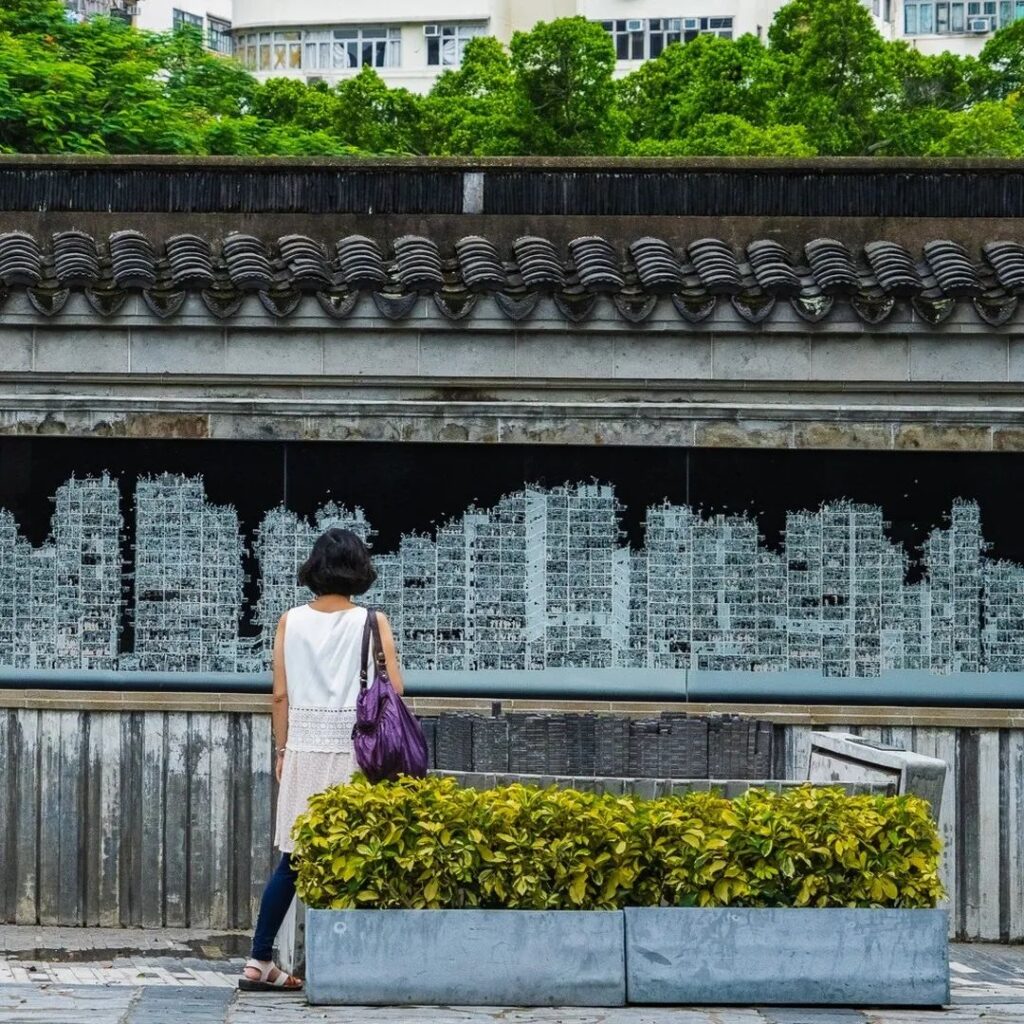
pixel 431 844
pixel 824 82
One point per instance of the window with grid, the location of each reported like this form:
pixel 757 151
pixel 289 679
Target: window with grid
pixel 640 39
pixel 445 49
pixel 286 54
pixel 374 46
pixel 629 39
pixel 218 35
pixel 662 32
pixel 945 18
pixel 321 49
pixel 179 19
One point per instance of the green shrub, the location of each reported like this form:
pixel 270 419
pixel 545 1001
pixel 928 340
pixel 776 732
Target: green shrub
pixel 431 843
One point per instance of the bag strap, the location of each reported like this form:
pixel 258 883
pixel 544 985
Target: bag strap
pixel 372 627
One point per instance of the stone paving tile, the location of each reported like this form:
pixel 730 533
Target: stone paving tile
pixel 270 1008
pixel 811 1015
pixel 65 1004
pixel 24 938
pixel 169 1005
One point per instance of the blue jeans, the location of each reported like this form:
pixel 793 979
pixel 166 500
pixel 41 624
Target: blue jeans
pixel 277 898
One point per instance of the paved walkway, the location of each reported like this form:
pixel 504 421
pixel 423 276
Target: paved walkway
pixel 114 976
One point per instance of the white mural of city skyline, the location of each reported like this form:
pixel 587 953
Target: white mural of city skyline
pixel 542 579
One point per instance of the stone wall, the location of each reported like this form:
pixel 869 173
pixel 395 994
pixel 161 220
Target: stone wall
pixel 904 385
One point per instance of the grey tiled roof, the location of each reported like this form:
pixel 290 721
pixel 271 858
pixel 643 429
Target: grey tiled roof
pixel 813 280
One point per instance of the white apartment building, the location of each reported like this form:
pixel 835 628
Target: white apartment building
pixel 317 40
pixel 314 39
pixel 211 17
pixel 935 26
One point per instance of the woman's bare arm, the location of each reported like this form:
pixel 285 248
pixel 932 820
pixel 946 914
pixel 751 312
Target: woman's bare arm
pixel 387 639
pixel 279 699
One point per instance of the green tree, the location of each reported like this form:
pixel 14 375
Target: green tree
pixel 729 135
pixel 89 87
pixel 471 110
pixel 374 118
pixel 201 81
pixel 666 97
pixel 563 89
pixel 988 129
pixel 835 72
pixel 1002 61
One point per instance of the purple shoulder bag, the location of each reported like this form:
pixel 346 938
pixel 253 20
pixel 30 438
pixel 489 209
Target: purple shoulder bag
pixel 387 738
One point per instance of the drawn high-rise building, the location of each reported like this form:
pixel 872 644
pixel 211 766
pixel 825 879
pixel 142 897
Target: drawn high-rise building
pixel 844 589
pixel 953 558
pixel 283 542
pixel 188 578
pixel 1002 635
pixel 60 603
pixel 87 528
pixel 497 585
pixel 575 566
pixel 669 555
pixel 638 653
pixel 9 588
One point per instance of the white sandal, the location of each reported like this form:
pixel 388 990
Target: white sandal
pixel 263 983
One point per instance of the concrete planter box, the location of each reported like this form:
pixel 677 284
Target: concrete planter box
pixel 799 956
pixel 465 957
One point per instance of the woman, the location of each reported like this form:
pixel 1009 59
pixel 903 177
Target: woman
pixel 316 681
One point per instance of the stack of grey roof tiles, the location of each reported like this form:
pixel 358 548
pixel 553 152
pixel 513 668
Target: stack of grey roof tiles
pixel 670 746
pixel 694 277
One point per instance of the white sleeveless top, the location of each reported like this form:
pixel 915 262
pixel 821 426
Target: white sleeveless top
pixel 321 662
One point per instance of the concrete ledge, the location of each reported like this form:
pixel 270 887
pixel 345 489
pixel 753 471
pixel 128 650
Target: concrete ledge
pixel 836 957
pixel 465 958
pixel 861 715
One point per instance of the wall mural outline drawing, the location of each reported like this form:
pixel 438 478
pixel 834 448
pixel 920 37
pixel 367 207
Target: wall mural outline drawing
pixel 543 578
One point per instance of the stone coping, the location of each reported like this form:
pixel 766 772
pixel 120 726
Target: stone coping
pixel 781 714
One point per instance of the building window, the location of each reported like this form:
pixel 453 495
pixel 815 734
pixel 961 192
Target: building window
pixel 181 19
pixel 955 17
pixel 287 51
pixel 218 35
pixel 321 49
pixel 446 43
pixel 663 32
pixel 367 46
pixel 628 37
pixel 640 39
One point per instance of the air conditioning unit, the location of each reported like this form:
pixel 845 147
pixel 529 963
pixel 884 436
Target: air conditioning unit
pixel 979 24
pixel 634 25
pixel 431 30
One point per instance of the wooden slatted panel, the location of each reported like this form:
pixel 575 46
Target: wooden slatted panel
pixel 145 818
pixel 26 819
pixel 220 820
pixel 48 841
pixel 988 865
pixel 176 831
pixel 1013 827
pixel 241 788
pixel 71 842
pixel 260 803
pixel 941 743
pixel 9 759
pixel 200 889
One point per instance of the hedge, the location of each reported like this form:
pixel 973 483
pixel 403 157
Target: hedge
pixel 433 844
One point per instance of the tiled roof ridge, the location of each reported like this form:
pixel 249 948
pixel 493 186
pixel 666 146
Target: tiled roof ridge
pixel 694 276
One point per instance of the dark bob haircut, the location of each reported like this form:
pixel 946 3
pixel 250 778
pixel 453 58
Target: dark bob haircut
pixel 338 564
